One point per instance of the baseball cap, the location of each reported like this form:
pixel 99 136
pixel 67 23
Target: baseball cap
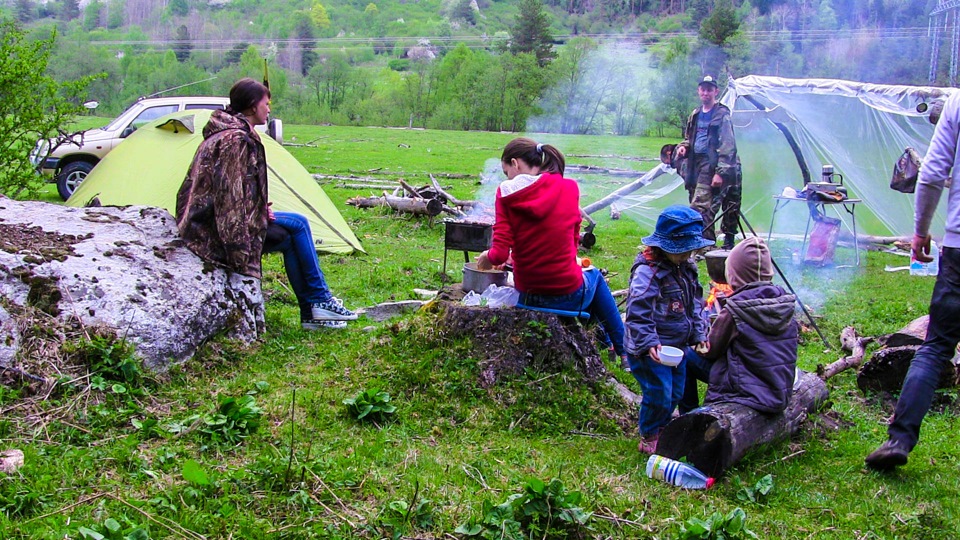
pixel 708 80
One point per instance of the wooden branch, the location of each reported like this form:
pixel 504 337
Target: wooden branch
pixel 409 189
pixel 453 200
pixel 426 207
pixel 852 343
pixel 364 186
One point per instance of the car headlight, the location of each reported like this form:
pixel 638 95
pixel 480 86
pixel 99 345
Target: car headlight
pixel 39 152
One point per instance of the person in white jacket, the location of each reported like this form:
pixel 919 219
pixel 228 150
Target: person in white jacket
pixel 943 334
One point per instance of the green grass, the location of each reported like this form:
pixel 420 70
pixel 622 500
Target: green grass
pixel 450 441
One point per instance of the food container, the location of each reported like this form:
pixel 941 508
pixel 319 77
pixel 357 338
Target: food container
pixel 716 265
pixel 670 356
pixel 478 280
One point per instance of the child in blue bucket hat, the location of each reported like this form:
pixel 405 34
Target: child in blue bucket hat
pixel 664 307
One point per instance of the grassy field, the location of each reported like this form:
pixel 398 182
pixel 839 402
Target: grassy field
pixel 105 463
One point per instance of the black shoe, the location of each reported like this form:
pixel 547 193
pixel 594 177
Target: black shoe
pixel 728 242
pixel 891 454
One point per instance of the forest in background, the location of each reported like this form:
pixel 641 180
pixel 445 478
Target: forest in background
pixel 625 67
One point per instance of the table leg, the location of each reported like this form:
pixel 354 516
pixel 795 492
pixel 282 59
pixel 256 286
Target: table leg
pixel 806 233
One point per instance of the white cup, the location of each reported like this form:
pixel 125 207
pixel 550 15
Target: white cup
pixel 670 356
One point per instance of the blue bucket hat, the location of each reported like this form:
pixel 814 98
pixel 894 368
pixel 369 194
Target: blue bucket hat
pixel 679 229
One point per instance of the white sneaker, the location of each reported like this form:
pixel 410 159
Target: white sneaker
pixel 332 310
pixel 314 324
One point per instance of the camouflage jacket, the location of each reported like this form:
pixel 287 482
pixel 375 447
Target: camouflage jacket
pixel 222 203
pixel 722 148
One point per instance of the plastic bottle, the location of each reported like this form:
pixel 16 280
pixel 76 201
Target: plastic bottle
pixel 931 268
pixel 677 473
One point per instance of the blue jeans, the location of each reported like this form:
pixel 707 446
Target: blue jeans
pixel 662 387
pixel 698 369
pixel 300 262
pixel 593 297
pixel 934 355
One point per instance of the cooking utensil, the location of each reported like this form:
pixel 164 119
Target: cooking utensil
pixel 716 265
pixel 478 280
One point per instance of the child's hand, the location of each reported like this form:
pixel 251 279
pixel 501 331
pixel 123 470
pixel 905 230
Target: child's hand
pixel 703 347
pixel 654 353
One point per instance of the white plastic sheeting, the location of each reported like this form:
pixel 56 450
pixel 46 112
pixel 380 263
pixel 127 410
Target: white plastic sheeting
pixel 859 128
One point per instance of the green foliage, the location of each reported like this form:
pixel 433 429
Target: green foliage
pixel 758 493
pixel 34 106
pixel 19 499
pixel 531 32
pixel 372 405
pixel 111 529
pixel 400 517
pixel 111 359
pixel 542 510
pixel 235 420
pixel 717 527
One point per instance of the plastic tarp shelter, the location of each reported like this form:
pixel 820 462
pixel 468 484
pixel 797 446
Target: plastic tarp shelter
pixel 784 126
pixel 150 165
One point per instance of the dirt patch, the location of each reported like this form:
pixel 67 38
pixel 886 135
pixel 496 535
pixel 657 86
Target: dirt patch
pixel 39 246
pixel 512 341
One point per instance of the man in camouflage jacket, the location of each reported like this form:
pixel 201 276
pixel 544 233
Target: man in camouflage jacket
pixel 222 211
pixel 713 171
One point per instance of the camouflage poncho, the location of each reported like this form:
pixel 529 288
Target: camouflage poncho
pixel 222 203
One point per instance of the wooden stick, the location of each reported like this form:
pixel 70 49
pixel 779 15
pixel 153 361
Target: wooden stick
pixel 855 345
pixel 410 189
pixel 68 507
pixel 453 200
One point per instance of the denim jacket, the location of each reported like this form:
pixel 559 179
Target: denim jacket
pixel 665 306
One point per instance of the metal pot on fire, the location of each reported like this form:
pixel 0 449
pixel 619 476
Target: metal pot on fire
pixel 717 265
pixel 478 280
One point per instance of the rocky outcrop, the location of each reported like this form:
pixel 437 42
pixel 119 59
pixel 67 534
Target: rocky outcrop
pixel 120 268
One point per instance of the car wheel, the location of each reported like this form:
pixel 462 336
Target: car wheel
pixel 70 177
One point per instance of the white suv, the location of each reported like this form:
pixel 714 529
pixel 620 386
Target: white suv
pixel 71 160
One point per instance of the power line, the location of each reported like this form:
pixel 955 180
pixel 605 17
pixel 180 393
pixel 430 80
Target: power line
pixel 480 42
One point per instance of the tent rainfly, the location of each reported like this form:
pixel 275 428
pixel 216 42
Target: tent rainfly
pixel 148 168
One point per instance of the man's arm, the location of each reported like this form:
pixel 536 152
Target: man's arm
pixel 936 169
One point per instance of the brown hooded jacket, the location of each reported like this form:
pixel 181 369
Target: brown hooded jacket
pixel 222 204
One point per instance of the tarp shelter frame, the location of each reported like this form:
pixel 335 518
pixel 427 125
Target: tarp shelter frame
pixel 860 128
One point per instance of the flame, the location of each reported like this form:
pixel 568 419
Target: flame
pixel 717 290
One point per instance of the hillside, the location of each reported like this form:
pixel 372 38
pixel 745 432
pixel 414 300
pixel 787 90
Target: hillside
pixel 614 67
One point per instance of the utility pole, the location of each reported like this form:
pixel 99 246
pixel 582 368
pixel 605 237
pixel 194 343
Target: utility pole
pixel 944 18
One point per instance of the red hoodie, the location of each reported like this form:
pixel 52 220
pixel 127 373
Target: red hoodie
pixel 540 223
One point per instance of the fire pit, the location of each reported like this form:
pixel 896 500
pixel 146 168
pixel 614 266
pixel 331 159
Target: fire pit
pixel 465 235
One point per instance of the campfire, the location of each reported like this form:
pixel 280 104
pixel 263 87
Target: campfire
pixel 718 292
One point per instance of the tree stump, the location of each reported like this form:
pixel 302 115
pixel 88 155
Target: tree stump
pixel 510 340
pixel 887 368
pixel 717 435
pixel 911 334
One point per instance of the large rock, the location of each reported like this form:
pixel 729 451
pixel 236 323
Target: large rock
pixel 121 268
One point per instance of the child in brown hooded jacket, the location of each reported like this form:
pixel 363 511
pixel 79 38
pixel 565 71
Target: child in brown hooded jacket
pixel 753 342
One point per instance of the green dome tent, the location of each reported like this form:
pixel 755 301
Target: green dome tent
pixel 148 168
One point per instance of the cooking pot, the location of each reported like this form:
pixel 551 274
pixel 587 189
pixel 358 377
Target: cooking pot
pixel 478 280
pixel 716 265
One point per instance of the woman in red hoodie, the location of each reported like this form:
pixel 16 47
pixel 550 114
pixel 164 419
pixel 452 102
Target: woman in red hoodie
pixel 538 224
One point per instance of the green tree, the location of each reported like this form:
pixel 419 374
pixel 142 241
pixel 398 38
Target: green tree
pixel 69 9
pixel 304 32
pixel 115 14
pixel 26 10
pixel 721 24
pixel 183 46
pixel 531 32
pixel 179 8
pixel 35 106
pixel 91 15
pixel 319 15
pixel 673 94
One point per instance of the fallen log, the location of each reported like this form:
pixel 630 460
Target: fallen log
pixel 852 343
pixel 450 198
pixel 911 334
pixel 644 180
pixel 714 437
pixel 426 207
pixel 887 368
